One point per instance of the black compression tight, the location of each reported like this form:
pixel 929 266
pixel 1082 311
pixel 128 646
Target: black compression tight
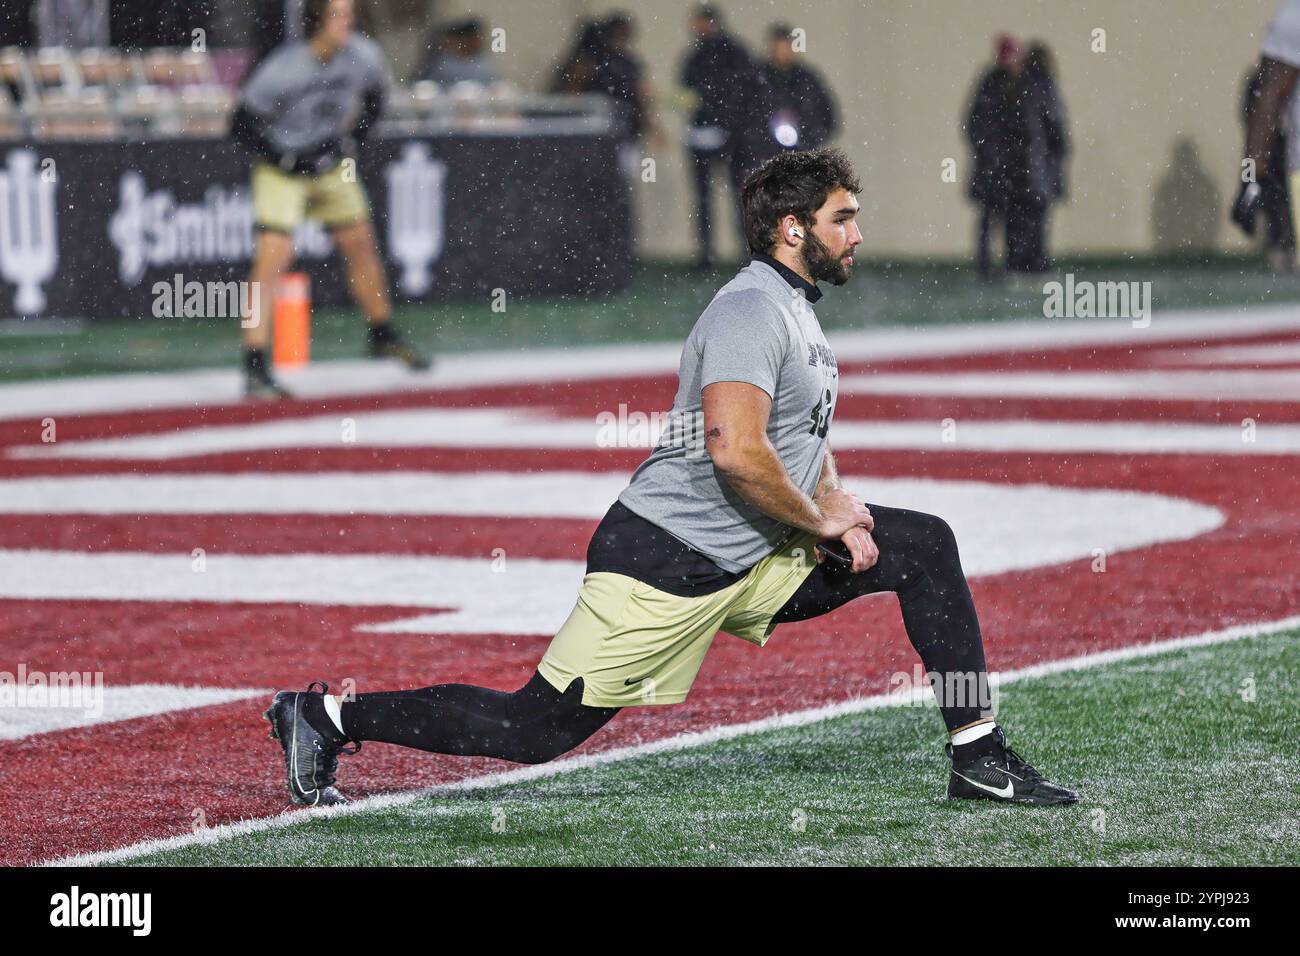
pixel 537 723
pixel 919 562
pixel 534 724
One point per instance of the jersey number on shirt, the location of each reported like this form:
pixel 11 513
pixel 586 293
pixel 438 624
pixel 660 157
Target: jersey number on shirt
pixel 821 415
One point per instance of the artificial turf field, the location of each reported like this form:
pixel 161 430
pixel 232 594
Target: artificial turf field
pixel 1182 758
pixel 1147 424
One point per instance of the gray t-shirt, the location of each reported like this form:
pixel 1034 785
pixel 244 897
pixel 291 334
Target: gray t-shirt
pixel 1282 43
pixel 758 330
pixel 305 102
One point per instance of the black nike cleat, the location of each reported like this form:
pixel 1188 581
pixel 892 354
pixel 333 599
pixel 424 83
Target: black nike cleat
pixel 384 341
pixel 310 758
pixel 1003 776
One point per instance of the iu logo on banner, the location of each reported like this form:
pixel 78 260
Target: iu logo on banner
pixel 29 239
pixel 415 215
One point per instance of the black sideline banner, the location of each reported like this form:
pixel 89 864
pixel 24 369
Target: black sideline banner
pixel 88 229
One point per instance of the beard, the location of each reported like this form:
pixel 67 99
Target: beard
pixel 821 263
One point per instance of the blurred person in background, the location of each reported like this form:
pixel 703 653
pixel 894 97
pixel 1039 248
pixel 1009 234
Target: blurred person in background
pixel 601 61
pixel 576 69
pixel 1048 145
pixel 276 22
pixel 1017 138
pixel 457 55
pixel 993 129
pixel 718 72
pixel 755 139
pixel 1271 106
pixel 804 114
pixel 1275 193
pixel 619 75
pixel 302 114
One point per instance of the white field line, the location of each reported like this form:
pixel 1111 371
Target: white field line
pixel 514 427
pixel 203 387
pixel 684 741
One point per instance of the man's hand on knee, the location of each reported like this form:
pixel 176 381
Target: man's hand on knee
pixel 859 553
pixel 841 511
pixel 862 547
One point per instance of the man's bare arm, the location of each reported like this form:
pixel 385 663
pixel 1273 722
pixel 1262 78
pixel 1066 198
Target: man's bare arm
pixel 830 478
pixel 735 436
pixel 862 549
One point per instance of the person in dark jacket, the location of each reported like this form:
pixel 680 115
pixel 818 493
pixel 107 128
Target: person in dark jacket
pixel 1047 146
pixel 804 113
pixel 1016 129
pixel 992 129
pixel 723 78
pixel 601 61
pixel 574 72
pixel 618 73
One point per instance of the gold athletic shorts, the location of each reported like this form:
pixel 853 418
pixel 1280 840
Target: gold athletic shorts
pixel 282 200
pixel 634 644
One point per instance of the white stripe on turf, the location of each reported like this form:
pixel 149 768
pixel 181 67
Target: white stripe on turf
pixel 680 742
pixel 202 387
pixel 528 429
pixel 1035 526
pixel 83 704
pixel 1212 385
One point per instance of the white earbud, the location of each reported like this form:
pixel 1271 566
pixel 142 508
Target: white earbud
pixel 795 233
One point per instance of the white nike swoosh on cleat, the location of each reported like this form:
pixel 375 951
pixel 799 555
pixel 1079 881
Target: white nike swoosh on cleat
pixel 1006 793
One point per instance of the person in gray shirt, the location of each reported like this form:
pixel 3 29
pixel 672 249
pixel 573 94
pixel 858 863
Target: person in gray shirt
pixel 302 114
pixel 1276 100
pixel 736 522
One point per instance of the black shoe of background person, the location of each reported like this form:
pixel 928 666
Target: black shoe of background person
pixel 384 341
pixel 259 383
pixel 1246 206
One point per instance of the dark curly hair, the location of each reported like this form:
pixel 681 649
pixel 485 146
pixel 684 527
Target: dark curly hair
pixel 793 183
pixel 313 16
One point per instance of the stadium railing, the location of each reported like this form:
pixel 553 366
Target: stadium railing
pixel 106 94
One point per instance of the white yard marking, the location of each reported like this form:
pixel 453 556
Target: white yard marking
pixel 544 494
pixel 149 391
pixel 193 389
pixel 530 597
pixel 1206 384
pixel 1054 437
pixel 526 428
pixel 117 704
pixel 406 428
pixel 687 741
pixel 1268 353
pixel 1001 528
